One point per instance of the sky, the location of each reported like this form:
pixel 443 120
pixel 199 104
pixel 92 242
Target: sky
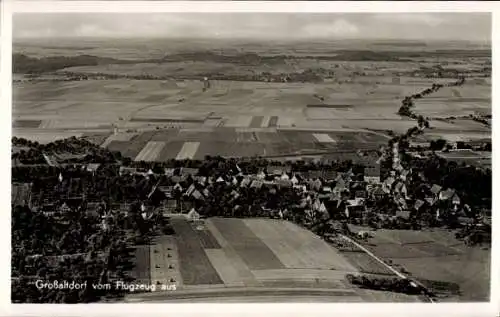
pixel 412 26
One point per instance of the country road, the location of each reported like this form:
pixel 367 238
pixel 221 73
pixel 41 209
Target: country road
pixel 396 272
pixel 247 294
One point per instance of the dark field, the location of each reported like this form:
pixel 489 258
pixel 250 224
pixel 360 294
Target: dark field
pixel 26 123
pixel 247 245
pixel 195 267
pixel 142 270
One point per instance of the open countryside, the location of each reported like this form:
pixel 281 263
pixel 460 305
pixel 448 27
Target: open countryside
pixel 232 170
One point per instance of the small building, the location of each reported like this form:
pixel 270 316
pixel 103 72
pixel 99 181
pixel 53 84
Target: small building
pixel 92 168
pixel 435 190
pixel 378 193
pixel 329 174
pixel 189 171
pixel 193 215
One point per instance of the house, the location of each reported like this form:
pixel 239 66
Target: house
pixel 64 208
pixel 329 174
pixel 315 174
pixel 405 214
pixel 193 215
pixel 245 182
pixel 189 171
pixel 284 176
pixel 303 174
pixel 261 175
pixel 169 172
pixel 447 194
pixel 418 204
pixel 197 195
pixel 326 189
pixel 220 180
pixel 378 193
pixel 404 174
pixel 355 208
pixel 127 170
pixel 360 194
pixel 356 185
pixel 277 170
pixel 340 185
pixel 417 144
pixel 401 202
pixel 283 183
pixel 190 190
pixel 387 184
pixel 455 200
pixel 435 189
pixel 93 167
pixel 431 201
pixel 170 205
pixel 372 174
pixel 400 188
pixel 257 184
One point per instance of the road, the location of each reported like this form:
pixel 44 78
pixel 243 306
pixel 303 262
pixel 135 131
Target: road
pixel 248 294
pixel 396 272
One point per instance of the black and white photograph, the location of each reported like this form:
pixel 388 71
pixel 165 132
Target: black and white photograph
pixel 248 157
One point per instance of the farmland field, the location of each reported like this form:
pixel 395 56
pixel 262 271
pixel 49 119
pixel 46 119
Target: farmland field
pixel 139 106
pixel 436 255
pixel 220 255
pixel 195 267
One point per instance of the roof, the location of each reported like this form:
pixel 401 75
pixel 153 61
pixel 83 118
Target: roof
pixel 284 182
pixel 435 189
pixel 418 204
pixel 340 184
pixel 431 201
pixel 447 194
pixel 315 174
pixel 92 167
pixel 400 186
pixel 378 191
pixel 197 195
pixel 329 174
pixel 403 214
pixel 245 182
pixel 389 181
pixel 128 169
pixel 189 170
pixel 356 202
pixel 193 214
pixel 256 184
pixel 169 171
pixel 372 170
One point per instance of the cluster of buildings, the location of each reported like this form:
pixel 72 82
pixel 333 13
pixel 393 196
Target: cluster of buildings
pixel 351 194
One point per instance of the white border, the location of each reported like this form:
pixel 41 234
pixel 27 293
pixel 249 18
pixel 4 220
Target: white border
pixel 253 6
pixel 208 310
pixel 5 128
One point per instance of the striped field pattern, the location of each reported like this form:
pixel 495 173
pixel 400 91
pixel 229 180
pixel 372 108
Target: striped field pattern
pixel 150 152
pixel 323 138
pixel 188 150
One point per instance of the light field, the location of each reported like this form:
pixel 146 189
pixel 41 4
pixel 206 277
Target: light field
pixel 305 251
pixel 188 150
pixel 239 257
pixel 323 138
pixel 437 255
pixel 150 152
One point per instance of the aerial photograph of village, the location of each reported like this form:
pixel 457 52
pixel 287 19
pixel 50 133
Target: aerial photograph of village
pixel 244 157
